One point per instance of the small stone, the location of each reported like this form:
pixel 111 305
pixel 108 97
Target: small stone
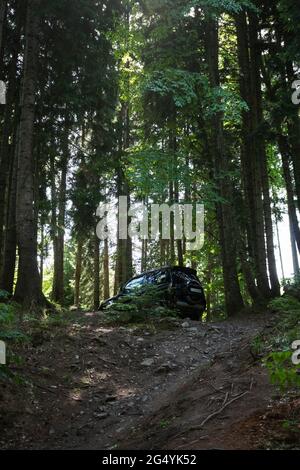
pixel 165 368
pixel 100 415
pixel 192 330
pixel 148 362
pixel 110 398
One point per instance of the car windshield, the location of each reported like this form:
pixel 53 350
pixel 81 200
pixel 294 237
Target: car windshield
pixel 135 284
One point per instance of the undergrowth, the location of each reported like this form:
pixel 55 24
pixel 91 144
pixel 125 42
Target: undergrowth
pixel 138 309
pixel 275 347
pixel 10 334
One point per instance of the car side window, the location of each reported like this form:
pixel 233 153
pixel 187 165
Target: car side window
pixel 157 278
pixel 162 277
pixel 135 284
pixel 180 278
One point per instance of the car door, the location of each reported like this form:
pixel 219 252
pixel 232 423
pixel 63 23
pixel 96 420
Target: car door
pixel 134 287
pixel 160 282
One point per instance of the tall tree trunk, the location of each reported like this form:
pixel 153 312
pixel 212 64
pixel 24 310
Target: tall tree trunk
pixel 179 243
pixel 2 18
pixel 144 255
pixel 253 151
pixel 106 290
pixel 225 217
pixel 96 273
pixel 258 150
pixel 294 250
pixel 275 285
pixel 42 248
pixel 284 150
pixel 10 123
pixel 172 228
pixel 280 249
pixel 3 9
pixel 124 266
pixel 208 284
pixel 118 266
pixel 162 250
pixel 58 275
pixel 293 129
pixel 294 133
pixel 28 289
pixel 262 158
pixel 78 272
pixel 10 244
pixel 248 272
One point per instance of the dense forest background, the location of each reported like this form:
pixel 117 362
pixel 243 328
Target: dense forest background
pixel 161 101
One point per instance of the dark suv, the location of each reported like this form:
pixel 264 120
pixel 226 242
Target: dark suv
pixel 176 287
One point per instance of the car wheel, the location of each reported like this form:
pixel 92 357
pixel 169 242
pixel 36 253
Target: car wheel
pixel 196 316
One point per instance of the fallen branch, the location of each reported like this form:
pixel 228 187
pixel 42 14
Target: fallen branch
pixel 225 404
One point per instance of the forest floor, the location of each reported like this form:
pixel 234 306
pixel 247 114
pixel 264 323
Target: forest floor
pixel 171 384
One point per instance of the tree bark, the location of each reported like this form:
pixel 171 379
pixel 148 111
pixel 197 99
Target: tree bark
pixel 124 266
pixel 42 254
pixel 10 123
pixel 28 289
pixel 284 150
pixel 58 275
pixel 96 273
pixel 279 249
pixel 10 244
pixel 275 284
pixel 3 9
pixel 258 149
pixel 225 217
pixel 253 158
pixel 106 290
pixel 78 272
pixel 294 133
pixel 293 128
pixel 144 255
pixel 294 250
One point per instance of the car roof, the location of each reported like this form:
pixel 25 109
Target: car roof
pixel 183 269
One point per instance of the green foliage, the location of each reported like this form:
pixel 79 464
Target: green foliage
pixel 10 335
pixel 257 345
pixel 6 314
pixel 15 336
pixel 285 304
pixel 180 85
pixel 281 369
pixel 139 308
pixel 231 6
pixel 160 165
pixel 4 296
pixel 287 330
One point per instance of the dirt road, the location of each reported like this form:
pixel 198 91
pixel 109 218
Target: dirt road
pixel 174 384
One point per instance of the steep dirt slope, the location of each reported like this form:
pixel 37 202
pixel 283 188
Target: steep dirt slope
pixel 172 384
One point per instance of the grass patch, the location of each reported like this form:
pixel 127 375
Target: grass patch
pixel 275 347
